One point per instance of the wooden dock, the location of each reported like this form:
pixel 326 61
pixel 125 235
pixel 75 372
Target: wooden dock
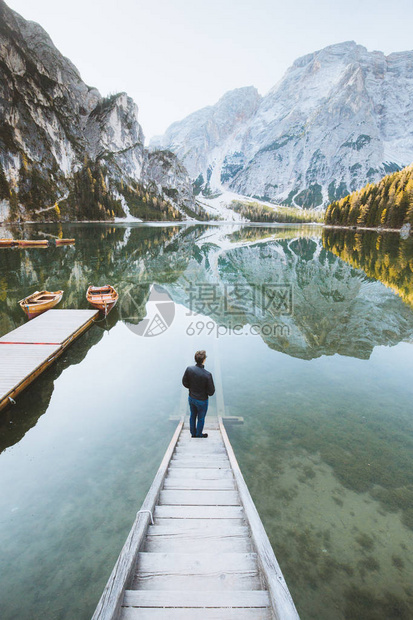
pixel 206 555
pixel 28 350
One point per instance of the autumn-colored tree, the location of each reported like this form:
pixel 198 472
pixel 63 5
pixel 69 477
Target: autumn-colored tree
pixel 387 203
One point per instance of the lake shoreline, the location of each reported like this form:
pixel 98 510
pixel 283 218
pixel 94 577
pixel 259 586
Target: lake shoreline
pixel 164 223
pixel 371 228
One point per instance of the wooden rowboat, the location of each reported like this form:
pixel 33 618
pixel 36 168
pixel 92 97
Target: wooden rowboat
pixel 7 243
pixel 40 301
pixel 65 241
pixel 23 243
pixel 102 297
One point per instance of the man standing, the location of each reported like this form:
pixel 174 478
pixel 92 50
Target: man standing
pixel 201 385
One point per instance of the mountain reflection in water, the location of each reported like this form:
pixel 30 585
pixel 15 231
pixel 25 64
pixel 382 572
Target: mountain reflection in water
pixel 335 307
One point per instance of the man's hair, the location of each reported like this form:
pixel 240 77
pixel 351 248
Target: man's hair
pixel 200 357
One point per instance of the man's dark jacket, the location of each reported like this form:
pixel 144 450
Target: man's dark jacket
pixel 199 381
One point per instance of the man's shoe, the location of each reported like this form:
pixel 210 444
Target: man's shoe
pixel 204 435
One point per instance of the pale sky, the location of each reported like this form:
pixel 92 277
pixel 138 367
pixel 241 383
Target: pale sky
pixel 176 56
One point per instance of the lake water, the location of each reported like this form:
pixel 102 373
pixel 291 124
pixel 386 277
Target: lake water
pixel 314 333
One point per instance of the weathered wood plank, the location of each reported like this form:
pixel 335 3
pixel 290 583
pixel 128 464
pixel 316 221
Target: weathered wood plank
pixel 209 571
pixel 199 512
pixel 215 432
pixel 190 453
pixel 237 599
pixel 199 498
pixel 200 448
pixel 197 454
pixel 200 463
pixel 187 483
pixel 211 473
pixel 203 564
pixel 213 437
pixel 194 543
pixel 133 613
pixel 203 524
pixel 199 474
pixel 198 457
pixel 201 444
pixel 201 527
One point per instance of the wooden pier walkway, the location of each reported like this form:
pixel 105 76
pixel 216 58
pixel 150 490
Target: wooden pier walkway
pixel 206 556
pixel 28 350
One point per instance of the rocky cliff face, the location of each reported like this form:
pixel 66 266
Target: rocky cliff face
pixel 339 118
pixel 204 138
pixel 55 126
pixel 164 170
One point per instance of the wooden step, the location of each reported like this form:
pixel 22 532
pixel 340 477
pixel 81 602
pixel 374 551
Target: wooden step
pixel 200 539
pixel 204 571
pixel 199 474
pixel 194 483
pixel 195 544
pixel 213 437
pixel 200 444
pixel 219 599
pixel 198 498
pixel 200 448
pixel 201 524
pixel 200 463
pixel 193 455
pixel 199 512
pixel 202 527
pixel 144 613
pixel 202 453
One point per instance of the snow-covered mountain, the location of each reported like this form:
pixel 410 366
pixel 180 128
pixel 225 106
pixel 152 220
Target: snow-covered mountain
pixel 61 141
pixel 339 118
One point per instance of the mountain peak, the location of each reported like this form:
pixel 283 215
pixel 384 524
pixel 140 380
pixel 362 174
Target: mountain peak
pixel 339 118
pixel 244 92
pixel 331 53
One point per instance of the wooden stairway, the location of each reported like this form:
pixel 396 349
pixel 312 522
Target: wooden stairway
pixel 198 560
pixel 206 556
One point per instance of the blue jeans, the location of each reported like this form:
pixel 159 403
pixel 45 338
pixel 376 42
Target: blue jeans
pixel 198 409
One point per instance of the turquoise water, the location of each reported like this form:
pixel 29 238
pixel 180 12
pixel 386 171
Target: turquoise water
pixel 323 383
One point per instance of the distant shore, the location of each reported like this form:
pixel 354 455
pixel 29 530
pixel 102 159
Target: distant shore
pixel 166 222
pixel 356 228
